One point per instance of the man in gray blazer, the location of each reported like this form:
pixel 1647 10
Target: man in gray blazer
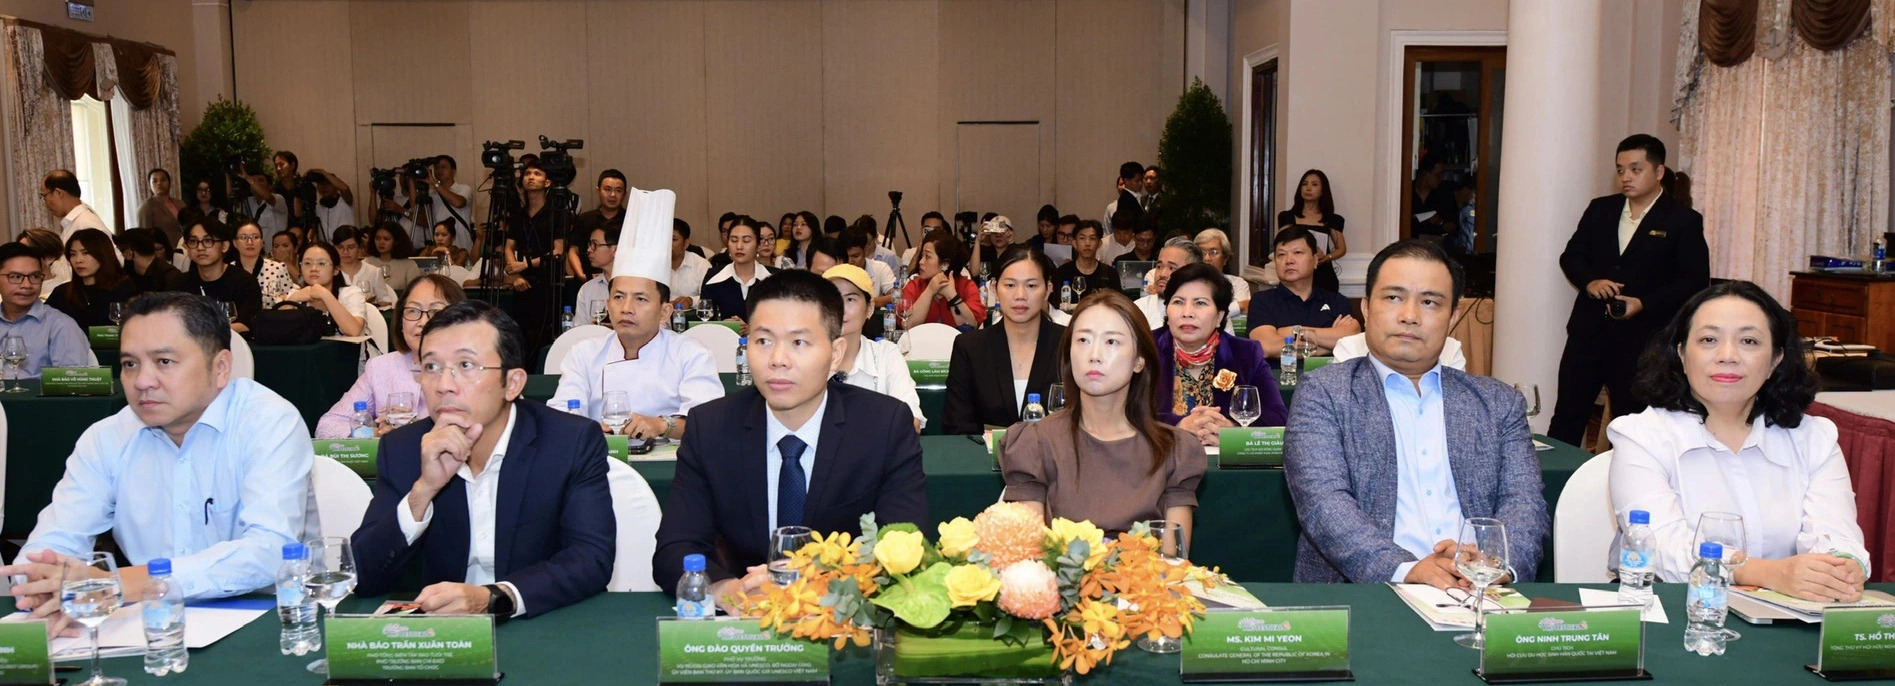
pixel 1386 454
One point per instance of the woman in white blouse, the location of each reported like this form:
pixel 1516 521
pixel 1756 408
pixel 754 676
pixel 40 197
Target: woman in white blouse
pixel 874 365
pixel 352 244
pixel 1725 432
pixel 345 305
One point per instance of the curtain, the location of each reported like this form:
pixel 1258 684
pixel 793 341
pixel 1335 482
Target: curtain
pixel 1788 156
pixel 1829 24
pixel 154 130
pixel 40 136
pixel 1727 30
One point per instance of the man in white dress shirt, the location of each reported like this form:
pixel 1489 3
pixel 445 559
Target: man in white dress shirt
pixel 663 374
pixel 688 269
pixel 60 191
pixel 602 247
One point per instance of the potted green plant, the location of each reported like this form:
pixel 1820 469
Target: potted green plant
pixel 1194 158
pixel 228 132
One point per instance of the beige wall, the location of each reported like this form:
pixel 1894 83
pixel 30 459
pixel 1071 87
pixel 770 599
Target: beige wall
pixel 757 106
pixel 1257 25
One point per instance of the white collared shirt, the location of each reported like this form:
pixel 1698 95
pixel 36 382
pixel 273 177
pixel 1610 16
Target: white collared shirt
pixel 671 375
pixel 82 217
pixel 483 498
pixel 773 457
pixel 596 291
pixel 1628 227
pixel 332 218
pixel 687 281
pixel 880 367
pixel 368 277
pixel 1790 485
pixel 1427 503
pixel 729 272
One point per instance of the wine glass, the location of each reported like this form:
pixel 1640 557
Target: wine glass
pixel 598 312
pixel 401 409
pixel 331 578
pixel 230 311
pixel 1725 529
pixel 1055 397
pixel 703 309
pixel 116 313
pixel 1079 289
pixel 13 358
pixel 784 542
pixel 617 409
pixel 1174 547
pixel 89 592
pixel 1532 393
pixel 1246 405
pixel 1480 554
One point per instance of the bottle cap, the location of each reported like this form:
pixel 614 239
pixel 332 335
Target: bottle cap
pixel 572 404
pixel 1641 517
pixel 1033 398
pixel 361 405
pixel 295 551
pixel 693 563
pixel 568 308
pixel 1289 339
pixel 158 566
pixel 743 340
pixel 1711 550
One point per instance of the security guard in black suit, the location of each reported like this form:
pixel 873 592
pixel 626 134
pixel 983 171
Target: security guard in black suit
pixel 1635 258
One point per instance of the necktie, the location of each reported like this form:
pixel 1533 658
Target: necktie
pixel 792 485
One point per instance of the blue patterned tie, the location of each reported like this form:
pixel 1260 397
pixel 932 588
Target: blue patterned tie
pixel 792 485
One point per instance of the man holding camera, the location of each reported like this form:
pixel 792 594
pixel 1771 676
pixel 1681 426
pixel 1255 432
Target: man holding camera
pixel 261 202
pixel 335 202
pixel 431 182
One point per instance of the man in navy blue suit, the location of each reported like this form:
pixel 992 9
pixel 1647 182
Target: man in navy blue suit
pixel 504 503
pixel 796 450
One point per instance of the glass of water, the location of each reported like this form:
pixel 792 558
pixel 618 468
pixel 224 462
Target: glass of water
pixel 89 592
pixel 1531 392
pixel 13 357
pixel 617 410
pixel 116 313
pixel 703 309
pixel 1174 547
pixel 598 312
pixel 1055 397
pixel 784 542
pixel 230 311
pixel 1246 405
pixel 400 409
pixel 1480 554
pixel 331 578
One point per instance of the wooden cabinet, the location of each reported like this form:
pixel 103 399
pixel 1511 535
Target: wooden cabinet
pixel 1852 308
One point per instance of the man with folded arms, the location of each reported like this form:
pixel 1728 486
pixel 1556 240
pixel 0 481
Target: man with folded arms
pixel 1385 454
pixel 202 468
pixel 504 503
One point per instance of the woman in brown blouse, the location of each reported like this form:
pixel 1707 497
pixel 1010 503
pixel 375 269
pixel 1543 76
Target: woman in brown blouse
pixel 1134 467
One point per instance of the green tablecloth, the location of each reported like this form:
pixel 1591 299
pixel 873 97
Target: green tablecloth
pixel 610 638
pixel 40 435
pixel 312 377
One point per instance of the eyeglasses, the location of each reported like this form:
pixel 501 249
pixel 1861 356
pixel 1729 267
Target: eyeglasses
pixel 595 245
pixel 463 369
pixel 415 314
pixel 201 242
pixel 320 263
pixel 17 279
pixel 249 239
pixel 1213 252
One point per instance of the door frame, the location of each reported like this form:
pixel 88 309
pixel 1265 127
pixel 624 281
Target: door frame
pixel 1395 165
pixel 1251 62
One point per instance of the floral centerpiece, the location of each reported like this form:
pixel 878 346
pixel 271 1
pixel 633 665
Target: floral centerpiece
pixel 1001 597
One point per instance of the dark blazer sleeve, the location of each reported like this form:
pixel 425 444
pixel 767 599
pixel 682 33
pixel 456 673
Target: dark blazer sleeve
pixel 382 553
pixel 690 520
pixel 904 492
pixel 1576 260
pixel 959 414
pixel 587 528
pixel 1690 273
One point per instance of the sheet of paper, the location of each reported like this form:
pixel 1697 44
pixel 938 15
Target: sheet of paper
pixel 1059 254
pixel 1424 216
pixel 659 453
pixel 124 632
pixel 1592 597
pixel 1805 610
pixel 1444 612
pixel 1538 446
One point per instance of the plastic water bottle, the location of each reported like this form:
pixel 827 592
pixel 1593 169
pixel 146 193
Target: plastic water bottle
pixel 1290 367
pixel 574 407
pixel 1034 410
pixel 294 605
pixel 362 423
pixel 888 322
pixel 1707 602
pixel 743 365
pixel 565 319
pixel 1880 257
pixel 1635 561
pixel 694 590
pixel 163 612
pixel 678 323
pixel 1066 296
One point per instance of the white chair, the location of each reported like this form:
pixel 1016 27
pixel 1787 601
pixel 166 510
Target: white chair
pixel 242 364
pixel 375 326
pixel 637 512
pixel 342 497
pixel 1584 524
pixel 722 343
pixel 929 341
pixel 562 346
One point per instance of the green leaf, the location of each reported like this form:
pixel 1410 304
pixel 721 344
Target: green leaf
pixel 922 600
pixel 1002 626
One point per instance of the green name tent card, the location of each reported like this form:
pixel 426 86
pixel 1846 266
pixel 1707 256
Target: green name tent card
pixel 24 658
pixel 994 438
pixel 102 336
pixel 1240 324
pixel 735 651
pixel 928 371
pixel 1564 644
pixel 358 454
pixel 1249 447
pixel 1276 644
pixel 617 447
pixel 735 327
pixel 1316 362
pixel 75 381
pixel 1857 643
pixel 411 649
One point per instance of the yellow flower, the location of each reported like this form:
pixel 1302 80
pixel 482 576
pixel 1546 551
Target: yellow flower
pixel 1226 379
pixel 957 537
pixel 970 584
pixel 899 551
pixel 1064 531
pixel 831 551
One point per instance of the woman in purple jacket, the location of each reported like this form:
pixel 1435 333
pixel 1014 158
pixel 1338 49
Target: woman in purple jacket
pixel 1201 365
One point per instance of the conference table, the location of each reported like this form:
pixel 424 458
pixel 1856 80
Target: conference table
pixel 611 639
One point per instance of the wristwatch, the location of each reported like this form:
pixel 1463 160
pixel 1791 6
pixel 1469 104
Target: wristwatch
pixel 671 424
pixel 499 603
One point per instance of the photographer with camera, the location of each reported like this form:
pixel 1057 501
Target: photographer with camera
pixel 335 202
pixel 429 181
pixel 533 245
pixel 251 195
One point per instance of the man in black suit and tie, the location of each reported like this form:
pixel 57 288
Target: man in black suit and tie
pixel 1636 257
pixel 795 450
pixel 505 503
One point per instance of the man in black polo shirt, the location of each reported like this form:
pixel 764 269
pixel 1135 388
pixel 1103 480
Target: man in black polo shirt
pixel 1296 303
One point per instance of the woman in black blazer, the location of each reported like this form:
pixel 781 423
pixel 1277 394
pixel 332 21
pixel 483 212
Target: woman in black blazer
pixel 993 369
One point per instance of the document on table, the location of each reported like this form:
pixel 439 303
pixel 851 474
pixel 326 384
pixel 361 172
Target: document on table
pixel 123 633
pixel 1540 447
pixel 1444 611
pixel 1780 606
pixel 667 452
pixel 1592 597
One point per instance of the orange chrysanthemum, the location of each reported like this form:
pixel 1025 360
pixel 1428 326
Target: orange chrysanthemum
pixel 1009 533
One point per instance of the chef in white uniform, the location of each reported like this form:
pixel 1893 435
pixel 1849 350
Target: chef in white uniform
pixel 663 374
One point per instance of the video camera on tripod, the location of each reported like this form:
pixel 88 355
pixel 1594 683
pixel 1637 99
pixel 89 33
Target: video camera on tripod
pixel 237 179
pixel 556 162
pixel 498 157
pixel 383 182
